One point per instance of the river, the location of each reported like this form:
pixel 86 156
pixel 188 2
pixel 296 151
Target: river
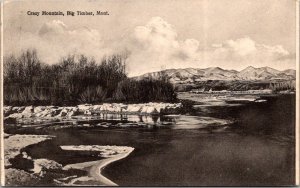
pixel 249 144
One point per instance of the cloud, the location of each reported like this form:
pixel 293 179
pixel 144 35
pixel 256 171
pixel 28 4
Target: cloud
pixel 55 40
pixel 240 47
pixel 246 47
pixel 243 52
pixel 156 46
pixel 152 47
pixel 55 26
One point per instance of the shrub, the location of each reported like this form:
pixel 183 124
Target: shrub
pixel 76 79
pixel 144 91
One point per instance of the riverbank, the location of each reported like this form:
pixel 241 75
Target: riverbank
pixel 13 144
pixel 94 168
pixel 18 112
pixel 33 172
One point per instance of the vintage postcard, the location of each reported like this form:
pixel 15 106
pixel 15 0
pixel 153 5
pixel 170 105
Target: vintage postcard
pixel 149 92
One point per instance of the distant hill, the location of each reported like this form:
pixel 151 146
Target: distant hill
pixel 193 75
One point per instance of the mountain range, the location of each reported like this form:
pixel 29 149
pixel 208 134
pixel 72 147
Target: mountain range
pixel 193 75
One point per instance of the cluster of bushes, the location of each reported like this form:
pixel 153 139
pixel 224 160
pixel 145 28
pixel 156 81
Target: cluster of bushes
pixel 239 85
pixel 145 91
pixel 76 79
pixel 283 85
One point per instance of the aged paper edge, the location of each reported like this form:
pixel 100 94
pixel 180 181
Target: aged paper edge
pixel 297 95
pixel 297 130
pixel 2 178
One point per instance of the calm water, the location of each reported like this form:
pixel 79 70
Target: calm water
pixel 237 145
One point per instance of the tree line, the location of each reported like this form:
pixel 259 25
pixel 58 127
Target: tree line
pixel 239 85
pixel 77 79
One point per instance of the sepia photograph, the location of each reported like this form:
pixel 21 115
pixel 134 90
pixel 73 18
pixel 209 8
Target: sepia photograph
pixel 149 93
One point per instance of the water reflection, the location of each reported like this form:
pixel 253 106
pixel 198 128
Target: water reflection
pixel 177 121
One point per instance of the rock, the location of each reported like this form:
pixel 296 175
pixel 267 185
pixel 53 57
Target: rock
pixel 38 109
pixel 43 113
pixel 97 107
pixel 151 110
pixel 133 108
pixel 26 156
pixel 15 109
pixel 62 113
pixel 28 110
pixel 102 125
pixel 144 109
pixel 54 112
pixel 14 177
pixel 172 109
pixel 18 109
pixel 84 107
pixel 87 112
pixel 72 113
pixel 16 115
pixel 7 110
pixel 45 164
pixel 111 108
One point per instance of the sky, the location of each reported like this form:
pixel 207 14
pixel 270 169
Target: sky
pixel 231 34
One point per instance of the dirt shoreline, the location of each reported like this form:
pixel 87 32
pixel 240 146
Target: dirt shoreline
pixel 95 168
pixel 13 145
